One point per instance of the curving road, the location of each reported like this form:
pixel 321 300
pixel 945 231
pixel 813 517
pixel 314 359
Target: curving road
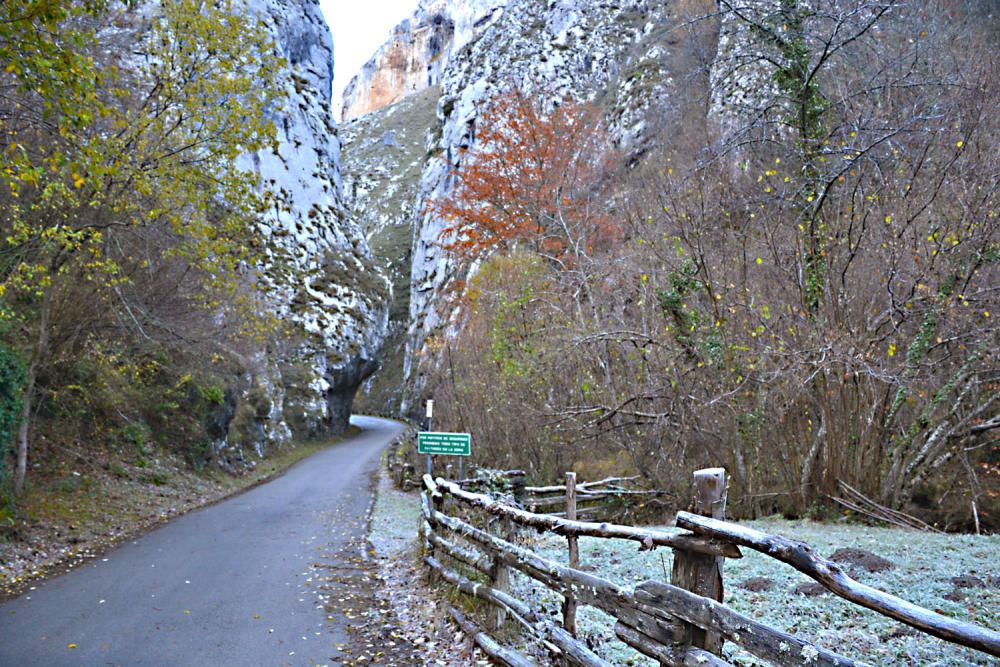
pixel 243 582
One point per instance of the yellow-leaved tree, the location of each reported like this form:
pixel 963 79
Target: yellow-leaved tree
pixel 122 125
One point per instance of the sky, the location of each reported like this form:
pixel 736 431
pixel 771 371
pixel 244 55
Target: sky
pixel 359 27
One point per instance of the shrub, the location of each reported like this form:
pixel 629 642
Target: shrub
pixel 12 379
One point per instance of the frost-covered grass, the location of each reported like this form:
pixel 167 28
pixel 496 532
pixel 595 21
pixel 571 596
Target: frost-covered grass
pixel 924 567
pixel 394 521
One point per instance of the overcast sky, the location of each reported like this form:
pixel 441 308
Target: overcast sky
pixel 359 27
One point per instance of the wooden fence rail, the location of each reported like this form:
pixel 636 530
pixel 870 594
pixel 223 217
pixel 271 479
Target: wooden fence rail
pixel 832 576
pixel 598 499
pixel 681 622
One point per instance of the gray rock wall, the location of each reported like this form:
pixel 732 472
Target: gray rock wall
pixel 558 48
pixel 338 300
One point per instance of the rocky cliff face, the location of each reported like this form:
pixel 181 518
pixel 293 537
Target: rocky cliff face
pixel 417 53
pixel 384 156
pixel 339 302
pixel 646 64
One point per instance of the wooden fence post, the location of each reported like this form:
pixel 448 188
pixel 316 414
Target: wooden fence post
pixel 569 603
pixel 699 573
pixel 437 500
pixel 518 482
pixel 500 578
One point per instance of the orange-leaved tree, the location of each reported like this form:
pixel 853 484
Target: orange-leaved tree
pixel 534 179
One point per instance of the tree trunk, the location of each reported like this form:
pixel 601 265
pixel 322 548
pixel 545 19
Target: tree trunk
pixel 41 348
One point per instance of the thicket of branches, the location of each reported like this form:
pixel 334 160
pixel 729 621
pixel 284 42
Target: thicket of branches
pixel 811 299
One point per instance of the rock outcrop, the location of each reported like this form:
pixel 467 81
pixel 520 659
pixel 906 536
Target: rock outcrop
pixel 384 156
pixel 642 62
pixel 417 53
pixel 338 301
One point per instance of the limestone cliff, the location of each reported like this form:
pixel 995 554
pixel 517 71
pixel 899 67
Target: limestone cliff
pixel 417 53
pixel 642 62
pixel 338 302
pixel 384 155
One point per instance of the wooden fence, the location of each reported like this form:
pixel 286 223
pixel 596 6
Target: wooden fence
pixel 609 497
pixel 680 622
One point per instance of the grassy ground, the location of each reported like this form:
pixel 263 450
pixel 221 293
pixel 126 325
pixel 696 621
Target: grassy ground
pixel 418 620
pixel 924 566
pixel 953 574
pixel 79 507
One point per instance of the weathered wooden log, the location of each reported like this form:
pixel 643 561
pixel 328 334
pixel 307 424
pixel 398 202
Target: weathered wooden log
pixel 664 653
pixel 696 657
pixel 692 657
pixel 427 530
pixel 572 543
pixel 480 562
pixel 832 576
pixel 432 487
pixel 589 497
pixel 553 636
pixel 667 601
pixel 699 573
pixel 580 486
pixel 585 587
pixel 648 539
pixel 581 513
pixel 500 577
pixel 561 500
pixel 671 636
pixel 425 507
pixel 490 646
pixel 519 611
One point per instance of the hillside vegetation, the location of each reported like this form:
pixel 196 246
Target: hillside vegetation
pixel 798 283
pixel 179 280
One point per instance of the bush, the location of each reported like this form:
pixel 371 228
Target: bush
pixel 12 377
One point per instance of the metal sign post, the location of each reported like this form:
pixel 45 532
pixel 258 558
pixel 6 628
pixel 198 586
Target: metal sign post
pixel 430 427
pixel 445 444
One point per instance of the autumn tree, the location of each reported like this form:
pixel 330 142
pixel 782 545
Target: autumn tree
pixel 121 168
pixel 534 178
pixel 810 300
pixel 530 205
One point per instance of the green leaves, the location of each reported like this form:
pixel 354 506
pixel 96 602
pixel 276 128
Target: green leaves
pixel 125 200
pixel 97 144
pixel 12 378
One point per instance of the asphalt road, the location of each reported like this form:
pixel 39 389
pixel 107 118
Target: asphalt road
pixel 244 582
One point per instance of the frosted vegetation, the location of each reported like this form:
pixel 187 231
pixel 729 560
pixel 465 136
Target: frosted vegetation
pixel 924 567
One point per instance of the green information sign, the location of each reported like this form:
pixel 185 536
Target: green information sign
pixel 449 444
